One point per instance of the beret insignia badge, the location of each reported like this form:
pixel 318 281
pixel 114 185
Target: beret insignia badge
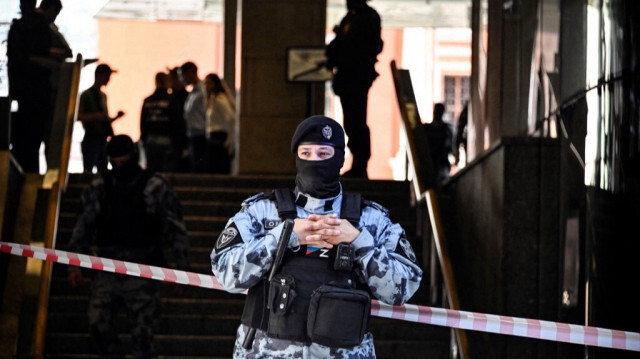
pixel 327 132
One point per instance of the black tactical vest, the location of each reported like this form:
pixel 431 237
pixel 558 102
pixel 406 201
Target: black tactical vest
pixel 308 272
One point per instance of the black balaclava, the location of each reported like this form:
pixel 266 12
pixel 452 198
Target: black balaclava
pixel 320 179
pixel 121 145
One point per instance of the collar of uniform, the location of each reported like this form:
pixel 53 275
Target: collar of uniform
pixel 318 205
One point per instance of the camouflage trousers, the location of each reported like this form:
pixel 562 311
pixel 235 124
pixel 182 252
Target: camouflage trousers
pixel 139 297
pixel 265 347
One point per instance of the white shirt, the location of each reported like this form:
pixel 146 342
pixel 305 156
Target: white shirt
pixel 195 111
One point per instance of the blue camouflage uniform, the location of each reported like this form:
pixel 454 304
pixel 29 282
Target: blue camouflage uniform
pixel 246 248
pixel 153 204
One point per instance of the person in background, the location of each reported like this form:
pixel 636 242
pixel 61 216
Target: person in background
pixel 58 53
pixel 96 121
pixel 195 116
pixel 352 56
pixel 29 70
pixel 440 139
pixel 157 129
pixel 176 111
pixel 376 259
pixel 128 214
pixel 220 125
pixel 461 135
pixel 60 48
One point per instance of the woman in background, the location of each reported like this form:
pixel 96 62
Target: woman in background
pixel 220 126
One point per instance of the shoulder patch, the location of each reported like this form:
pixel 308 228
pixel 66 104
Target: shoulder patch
pixel 404 249
pixel 377 206
pixel 228 237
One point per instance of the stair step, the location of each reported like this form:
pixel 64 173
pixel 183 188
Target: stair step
pixel 95 356
pixel 60 287
pixel 411 349
pixel 66 345
pixel 75 304
pixel 204 324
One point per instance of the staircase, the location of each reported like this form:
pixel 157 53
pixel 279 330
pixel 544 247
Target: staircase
pixel 201 323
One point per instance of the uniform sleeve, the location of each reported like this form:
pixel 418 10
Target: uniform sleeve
pixel 83 231
pixel 244 252
pixel 385 258
pixel 171 213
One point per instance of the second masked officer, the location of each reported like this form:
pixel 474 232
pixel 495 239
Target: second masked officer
pixel 342 252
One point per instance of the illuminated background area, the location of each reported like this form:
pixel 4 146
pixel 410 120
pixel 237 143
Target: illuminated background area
pixel 139 38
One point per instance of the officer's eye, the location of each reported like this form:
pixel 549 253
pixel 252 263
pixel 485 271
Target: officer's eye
pixel 325 152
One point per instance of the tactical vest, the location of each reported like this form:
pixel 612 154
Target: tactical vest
pixel 282 311
pixel 125 230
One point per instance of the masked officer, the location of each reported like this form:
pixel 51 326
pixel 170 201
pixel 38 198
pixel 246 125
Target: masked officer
pixel 132 213
pixel 342 252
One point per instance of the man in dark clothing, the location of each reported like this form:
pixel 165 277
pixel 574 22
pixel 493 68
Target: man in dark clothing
pixel 351 56
pixel 28 49
pixel 440 138
pixel 133 214
pixel 94 115
pixel 59 52
pixel 176 110
pixel 157 130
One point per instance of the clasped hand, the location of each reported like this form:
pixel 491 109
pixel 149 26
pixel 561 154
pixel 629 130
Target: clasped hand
pixel 324 230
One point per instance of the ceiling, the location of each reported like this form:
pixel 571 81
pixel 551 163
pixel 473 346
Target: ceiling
pixel 394 13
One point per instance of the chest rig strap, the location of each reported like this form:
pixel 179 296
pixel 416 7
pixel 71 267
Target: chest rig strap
pixel 286 203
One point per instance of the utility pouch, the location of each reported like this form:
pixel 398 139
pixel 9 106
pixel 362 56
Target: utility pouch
pixel 281 294
pixel 284 321
pixel 338 316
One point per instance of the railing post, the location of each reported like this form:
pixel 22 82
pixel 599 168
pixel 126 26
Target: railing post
pixel 54 182
pixel 425 185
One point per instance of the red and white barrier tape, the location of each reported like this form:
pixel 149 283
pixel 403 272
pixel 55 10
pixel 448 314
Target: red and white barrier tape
pixel 112 265
pixel 522 327
pixel 529 328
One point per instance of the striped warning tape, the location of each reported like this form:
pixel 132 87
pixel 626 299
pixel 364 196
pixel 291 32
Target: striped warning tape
pixel 528 328
pixel 523 327
pixel 112 265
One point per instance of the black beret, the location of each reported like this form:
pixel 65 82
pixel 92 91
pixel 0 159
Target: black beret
pixel 120 145
pixel 319 130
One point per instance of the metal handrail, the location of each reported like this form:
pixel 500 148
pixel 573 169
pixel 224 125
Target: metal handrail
pixel 426 187
pixel 55 181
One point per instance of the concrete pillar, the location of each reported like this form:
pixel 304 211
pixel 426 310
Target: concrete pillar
pixel 270 108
